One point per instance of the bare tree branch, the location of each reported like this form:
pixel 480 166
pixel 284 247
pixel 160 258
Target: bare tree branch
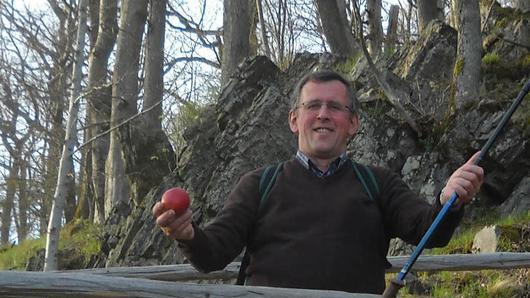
pixel 389 92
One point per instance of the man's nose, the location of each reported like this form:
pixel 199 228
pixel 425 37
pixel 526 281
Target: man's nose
pixel 323 112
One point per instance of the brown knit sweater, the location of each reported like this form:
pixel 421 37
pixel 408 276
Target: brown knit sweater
pixel 316 233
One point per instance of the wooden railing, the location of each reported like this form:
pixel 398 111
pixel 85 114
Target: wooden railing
pixel 153 281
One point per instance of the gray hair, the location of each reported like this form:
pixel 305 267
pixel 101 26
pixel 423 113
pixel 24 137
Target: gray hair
pixel 325 76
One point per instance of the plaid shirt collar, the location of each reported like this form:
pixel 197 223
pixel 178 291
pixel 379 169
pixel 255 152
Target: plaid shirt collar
pixel 333 166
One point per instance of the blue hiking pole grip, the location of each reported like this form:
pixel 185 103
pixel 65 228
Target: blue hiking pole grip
pixel 395 285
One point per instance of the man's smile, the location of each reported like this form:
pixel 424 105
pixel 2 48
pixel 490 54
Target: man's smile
pixel 323 129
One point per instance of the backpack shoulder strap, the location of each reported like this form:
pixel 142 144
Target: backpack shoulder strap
pixel 367 179
pixel 266 182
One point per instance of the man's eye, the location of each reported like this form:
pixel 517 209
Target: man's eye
pixel 314 106
pixel 335 107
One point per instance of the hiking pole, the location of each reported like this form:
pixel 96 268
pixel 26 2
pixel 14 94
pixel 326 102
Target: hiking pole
pixel 396 284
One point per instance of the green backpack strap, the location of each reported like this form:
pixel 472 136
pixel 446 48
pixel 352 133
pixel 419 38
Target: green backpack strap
pixel 266 182
pixel 367 179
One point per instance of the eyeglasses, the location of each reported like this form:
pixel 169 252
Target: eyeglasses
pixel 332 106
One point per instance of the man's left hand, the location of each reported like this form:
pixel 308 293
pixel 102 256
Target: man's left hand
pixel 465 181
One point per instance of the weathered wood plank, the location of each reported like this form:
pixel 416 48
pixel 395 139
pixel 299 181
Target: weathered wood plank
pixel 180 272
pixel 457 262
pixel 54 284
pixel 142 281
pixel 465 262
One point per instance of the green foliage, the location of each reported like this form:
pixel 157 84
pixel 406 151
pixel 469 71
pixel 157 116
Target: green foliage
pixel 521 218
pixel 15 257
pixel 460 244
pixel 491 59
pixel 82 236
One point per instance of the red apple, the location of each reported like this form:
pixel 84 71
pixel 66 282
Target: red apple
pixel 177 199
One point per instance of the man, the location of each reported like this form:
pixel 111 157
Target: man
pixel 319 229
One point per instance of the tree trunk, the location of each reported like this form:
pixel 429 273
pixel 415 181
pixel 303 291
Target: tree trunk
pixel 154 66
pixel 23 202
pixel 100 98
pixel 428 10
pixel 8 203
pixel 467 66
pixel 237 31
pixel 70 197
pixel 116 184
pixel 264 39
pixel 125 96
pixel 147 152
pixel 86 192
pixel 375 27
pixel 57 85
pixel 54 226
pixel 391 32
pixel 336 28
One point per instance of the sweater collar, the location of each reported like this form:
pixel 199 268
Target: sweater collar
pixel 333 166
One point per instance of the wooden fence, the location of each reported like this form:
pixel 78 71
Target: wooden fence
pixel 159 281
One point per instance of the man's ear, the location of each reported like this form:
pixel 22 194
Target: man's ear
pixel 354 125
pixel 293 116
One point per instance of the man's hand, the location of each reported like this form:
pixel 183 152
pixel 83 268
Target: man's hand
pixel 465 181
pixel 177 227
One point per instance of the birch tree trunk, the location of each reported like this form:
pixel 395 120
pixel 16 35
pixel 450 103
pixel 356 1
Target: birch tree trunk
pixel 336 28
pixel 100 98
pixel 124 96
pixel 264 38
pixel 237 32
pixel 57 84
pixel 428 10
pixel 467 66
pixel 375 27
pixel 7 203
pixel 54 226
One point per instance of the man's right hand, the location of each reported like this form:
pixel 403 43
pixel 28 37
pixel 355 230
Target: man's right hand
pixel 175 226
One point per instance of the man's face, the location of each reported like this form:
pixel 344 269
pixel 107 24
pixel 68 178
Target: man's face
pixel 323 128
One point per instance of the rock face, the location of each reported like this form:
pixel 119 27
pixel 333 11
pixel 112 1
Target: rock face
pixel 247 128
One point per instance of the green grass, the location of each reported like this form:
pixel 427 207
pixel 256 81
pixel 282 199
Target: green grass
pixel 81 236
pixel 480 284
pixel 15 257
